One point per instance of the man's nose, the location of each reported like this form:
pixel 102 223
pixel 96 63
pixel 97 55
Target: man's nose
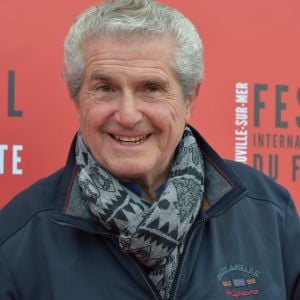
pixel 128 113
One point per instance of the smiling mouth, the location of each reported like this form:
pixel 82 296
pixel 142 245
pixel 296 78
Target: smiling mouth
pixel 130 140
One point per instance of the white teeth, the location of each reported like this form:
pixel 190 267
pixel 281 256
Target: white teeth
pixel 130 139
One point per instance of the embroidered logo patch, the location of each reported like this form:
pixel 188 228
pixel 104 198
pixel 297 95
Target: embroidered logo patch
pixel 239 280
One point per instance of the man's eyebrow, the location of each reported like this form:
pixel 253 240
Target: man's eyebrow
pixel 155 81
pixel 97 76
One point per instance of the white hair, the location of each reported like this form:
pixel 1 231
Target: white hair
pixel 135 18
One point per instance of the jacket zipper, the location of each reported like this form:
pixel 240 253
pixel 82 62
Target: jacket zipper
pixel 182 258
pixel 188 242
pixel 149 283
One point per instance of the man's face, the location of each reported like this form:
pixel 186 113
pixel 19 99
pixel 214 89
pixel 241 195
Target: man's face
pixel 131 110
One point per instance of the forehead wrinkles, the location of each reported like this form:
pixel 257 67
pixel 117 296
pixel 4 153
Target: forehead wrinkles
pixel 143 57
pixel 155 47
pixel 138 63
pixel 116 68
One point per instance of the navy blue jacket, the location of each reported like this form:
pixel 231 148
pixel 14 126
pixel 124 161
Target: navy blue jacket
pixel 245 243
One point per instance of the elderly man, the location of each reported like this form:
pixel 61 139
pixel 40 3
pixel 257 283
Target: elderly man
pixel 144 208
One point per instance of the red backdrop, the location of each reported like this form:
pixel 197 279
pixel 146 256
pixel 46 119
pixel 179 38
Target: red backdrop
pixel 248 108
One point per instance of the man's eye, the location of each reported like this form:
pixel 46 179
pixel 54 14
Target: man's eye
pixel 152 88
pixel 104 88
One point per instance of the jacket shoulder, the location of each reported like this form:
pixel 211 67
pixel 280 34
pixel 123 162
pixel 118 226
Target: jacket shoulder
pixel 41 196
pixel 260 186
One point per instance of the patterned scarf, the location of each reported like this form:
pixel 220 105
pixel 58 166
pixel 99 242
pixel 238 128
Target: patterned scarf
pixel 153 233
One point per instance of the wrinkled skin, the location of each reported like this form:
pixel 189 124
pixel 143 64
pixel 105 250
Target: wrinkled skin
pixel 131 111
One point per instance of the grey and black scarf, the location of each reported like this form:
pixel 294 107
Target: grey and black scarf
pixel 153 233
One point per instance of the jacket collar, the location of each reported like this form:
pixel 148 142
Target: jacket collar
pixel 222 187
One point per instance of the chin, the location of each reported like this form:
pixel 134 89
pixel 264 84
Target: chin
pixel 134 175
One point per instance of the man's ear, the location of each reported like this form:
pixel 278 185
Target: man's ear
pixel 191 102
pixel 197 90
pixel 76 103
